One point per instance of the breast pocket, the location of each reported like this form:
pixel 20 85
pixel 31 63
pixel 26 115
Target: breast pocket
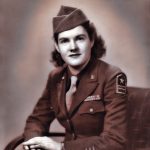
pixel 91 107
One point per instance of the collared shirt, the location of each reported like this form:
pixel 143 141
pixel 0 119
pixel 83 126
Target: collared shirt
pixel 79 76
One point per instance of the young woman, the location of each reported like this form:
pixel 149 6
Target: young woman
pixel 87 95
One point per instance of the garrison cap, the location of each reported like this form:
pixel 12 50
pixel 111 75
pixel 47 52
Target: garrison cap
pixel 68 18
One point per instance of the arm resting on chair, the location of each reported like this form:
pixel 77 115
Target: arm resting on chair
pixel 19 139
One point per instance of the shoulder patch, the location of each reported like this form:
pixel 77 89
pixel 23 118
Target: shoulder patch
pixel 121 83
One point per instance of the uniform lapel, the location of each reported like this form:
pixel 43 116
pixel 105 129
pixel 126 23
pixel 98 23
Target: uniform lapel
pixel 61 95
pixel 60 90
pixel 87 85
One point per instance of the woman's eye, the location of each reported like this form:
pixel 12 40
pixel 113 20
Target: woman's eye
pixel 80 38
pixel 64 41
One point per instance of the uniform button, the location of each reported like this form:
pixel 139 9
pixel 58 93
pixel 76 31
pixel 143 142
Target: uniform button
pixel 73 135
pixel 92 77
pixel 91 110
pixel 68 120
pixel 51 107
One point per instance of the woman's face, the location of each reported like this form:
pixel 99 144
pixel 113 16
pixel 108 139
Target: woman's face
pixel 75 46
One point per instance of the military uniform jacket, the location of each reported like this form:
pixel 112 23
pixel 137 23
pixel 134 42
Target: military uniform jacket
pixel 97 117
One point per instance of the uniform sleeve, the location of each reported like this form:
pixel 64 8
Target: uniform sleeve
pixel 38 122
pixel 113 136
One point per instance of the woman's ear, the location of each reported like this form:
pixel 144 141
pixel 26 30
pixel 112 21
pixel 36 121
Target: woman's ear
pixel 56 46
pixel 92 42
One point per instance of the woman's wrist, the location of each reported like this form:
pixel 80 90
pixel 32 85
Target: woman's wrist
pixel 62 146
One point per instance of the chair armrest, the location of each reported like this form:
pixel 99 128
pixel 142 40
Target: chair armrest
pixel 19 139
pixel 14 143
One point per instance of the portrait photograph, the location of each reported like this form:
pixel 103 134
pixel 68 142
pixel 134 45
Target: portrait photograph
pixel 75 74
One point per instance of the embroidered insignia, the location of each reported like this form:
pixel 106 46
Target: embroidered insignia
pixel 92 98
pixel 121 84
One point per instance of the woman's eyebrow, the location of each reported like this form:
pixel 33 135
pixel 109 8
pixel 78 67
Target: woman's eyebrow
pixel 63 38
pixel 81 35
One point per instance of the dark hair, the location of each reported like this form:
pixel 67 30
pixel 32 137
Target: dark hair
pixel 98 49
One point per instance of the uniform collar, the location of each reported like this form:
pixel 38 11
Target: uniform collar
pixel 88 70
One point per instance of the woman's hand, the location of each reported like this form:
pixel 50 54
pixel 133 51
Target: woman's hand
pixel 42 142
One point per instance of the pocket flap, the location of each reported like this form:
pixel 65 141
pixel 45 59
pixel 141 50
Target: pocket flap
pixel 91 107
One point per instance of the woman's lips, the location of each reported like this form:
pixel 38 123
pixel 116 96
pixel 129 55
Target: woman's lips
pixel 74 55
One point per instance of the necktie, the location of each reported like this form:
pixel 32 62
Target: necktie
pixel 70 93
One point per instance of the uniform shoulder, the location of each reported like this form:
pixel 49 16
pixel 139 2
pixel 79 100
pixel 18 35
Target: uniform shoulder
pixel 109 68
pixel 57 72
pixel 108 71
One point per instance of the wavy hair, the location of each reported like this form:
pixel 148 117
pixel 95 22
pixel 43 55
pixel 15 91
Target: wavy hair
pixel 98 50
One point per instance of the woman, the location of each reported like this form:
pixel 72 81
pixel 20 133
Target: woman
pixel 86 94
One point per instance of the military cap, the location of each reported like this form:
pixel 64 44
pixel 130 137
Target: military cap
pixel 68 18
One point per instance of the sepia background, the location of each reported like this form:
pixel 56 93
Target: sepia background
pixel 26 43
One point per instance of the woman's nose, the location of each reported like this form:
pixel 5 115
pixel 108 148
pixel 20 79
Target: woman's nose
pixel 73 45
